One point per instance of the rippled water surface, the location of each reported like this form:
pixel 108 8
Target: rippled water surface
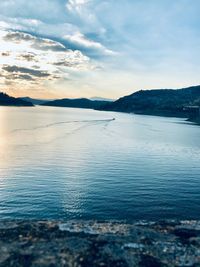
pixel 62 163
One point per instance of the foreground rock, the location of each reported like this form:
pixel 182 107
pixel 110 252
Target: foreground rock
pixel 91 244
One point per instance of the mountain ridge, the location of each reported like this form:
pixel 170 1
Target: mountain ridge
pixel 166 102
pixel 34 101
pixel 6 100
pixel 76 103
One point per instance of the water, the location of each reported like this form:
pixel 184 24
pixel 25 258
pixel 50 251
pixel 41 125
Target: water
pixel 59 163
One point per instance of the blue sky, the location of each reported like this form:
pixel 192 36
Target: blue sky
pixel 86 48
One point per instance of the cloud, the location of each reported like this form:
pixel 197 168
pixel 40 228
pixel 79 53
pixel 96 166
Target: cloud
pixel 25 77
pixel 32 72
pixel 77 20
pixel 5 54
pixel 82 42
pixel 28 60
pixel 76 4
pixel 74 39
pixel 12 77
pixel 75 60
pixel 36 42
pixel 44 10
pixel 31 57
pixel 20 75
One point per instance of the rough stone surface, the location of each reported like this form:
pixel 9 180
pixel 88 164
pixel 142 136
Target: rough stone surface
pixel 102 244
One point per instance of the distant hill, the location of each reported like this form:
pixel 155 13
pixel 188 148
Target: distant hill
pixel 164 102
pixel 102 99
pixel 76 103
pixel 6 100
pixel 33 100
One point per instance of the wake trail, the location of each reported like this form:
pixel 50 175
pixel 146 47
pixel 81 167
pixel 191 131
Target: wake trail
pixel 57 124
pixel 65 135
pixel 88 124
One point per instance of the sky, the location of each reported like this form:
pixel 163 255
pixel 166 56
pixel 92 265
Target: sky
pixel 106 48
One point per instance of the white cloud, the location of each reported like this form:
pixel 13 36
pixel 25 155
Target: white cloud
pixel 80 40
pixel 76 5
pixel 43 10
pixel 26 59
pixel 35 42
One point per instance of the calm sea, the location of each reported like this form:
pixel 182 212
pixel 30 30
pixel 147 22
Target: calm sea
pixel 60 163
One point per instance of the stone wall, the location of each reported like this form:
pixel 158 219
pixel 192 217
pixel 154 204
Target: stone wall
pixel 91 244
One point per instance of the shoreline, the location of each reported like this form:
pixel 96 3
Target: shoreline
pixel 165 115
pixel 195 121
pixel 95 243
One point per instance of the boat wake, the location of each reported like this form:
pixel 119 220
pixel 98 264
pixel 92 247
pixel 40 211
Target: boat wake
pixel 60 123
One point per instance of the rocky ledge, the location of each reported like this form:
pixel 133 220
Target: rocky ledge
pixel 91 244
